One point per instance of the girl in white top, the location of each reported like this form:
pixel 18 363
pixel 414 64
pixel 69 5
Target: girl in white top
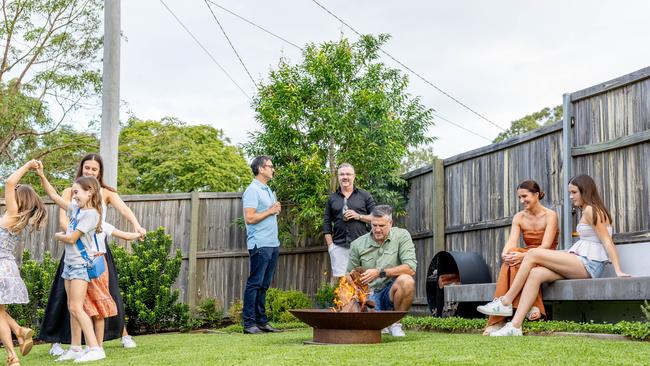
pixel 85 215
pixel 585 259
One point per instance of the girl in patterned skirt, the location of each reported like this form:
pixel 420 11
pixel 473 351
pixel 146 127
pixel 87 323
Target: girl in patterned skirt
pixel 24 209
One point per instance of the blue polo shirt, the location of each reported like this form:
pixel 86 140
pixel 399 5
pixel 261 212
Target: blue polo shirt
pixel 265 233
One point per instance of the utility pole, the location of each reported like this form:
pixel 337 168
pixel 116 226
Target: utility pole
pixel 109 141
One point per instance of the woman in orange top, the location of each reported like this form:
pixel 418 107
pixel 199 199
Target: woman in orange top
pixel 539 227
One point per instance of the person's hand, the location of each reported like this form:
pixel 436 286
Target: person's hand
pixel 59 236
pixel 141 233
pixel 369 275
pixel 622 274
pixel 38 166
pixel 515 258
pixel 276 208
pixel 351 215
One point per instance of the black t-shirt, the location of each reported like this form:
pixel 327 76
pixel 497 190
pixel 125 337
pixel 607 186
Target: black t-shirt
pixel 344 232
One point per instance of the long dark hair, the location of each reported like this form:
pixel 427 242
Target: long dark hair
pixel 590 196
pixel 532 187
pixel 100 177
pixel 92 184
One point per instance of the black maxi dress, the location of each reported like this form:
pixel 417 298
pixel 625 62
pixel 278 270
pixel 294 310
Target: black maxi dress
pixel 56 323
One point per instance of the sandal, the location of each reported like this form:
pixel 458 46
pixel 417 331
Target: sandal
pixel 26 334
pixel 533 314
pixel 13 361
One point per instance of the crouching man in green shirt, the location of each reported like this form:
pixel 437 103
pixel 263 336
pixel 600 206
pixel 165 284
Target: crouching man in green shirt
pixel 387 256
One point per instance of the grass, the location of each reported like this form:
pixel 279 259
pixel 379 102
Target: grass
pixel 418 348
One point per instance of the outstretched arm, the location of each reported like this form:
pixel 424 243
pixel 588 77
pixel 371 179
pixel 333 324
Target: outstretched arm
pixel 69 238
pixel 49 189
pixel 124 210
pixel 63 217
pixel 12 183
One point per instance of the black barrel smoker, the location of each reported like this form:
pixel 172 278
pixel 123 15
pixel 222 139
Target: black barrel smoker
pixel 458 268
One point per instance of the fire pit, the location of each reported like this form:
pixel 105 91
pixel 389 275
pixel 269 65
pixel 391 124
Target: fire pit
pixel 353 319
pixel 347 328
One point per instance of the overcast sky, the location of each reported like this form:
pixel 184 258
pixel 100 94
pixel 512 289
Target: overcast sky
pixel 504 59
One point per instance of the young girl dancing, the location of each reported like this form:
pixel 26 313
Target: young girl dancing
pixel 24 210
pixel 85 216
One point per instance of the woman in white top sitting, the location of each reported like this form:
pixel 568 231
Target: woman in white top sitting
pixel 585 259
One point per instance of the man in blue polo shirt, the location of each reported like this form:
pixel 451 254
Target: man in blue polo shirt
pixel 260 214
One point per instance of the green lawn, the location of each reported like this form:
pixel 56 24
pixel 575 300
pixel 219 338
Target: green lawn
pixel 418 348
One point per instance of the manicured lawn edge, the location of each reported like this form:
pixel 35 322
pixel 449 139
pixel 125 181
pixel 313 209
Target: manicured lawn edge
pixel 634 330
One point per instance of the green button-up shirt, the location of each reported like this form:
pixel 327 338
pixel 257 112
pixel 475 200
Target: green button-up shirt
pixel 397 249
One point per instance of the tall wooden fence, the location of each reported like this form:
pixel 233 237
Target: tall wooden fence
pixel 462 203
pixel 608 137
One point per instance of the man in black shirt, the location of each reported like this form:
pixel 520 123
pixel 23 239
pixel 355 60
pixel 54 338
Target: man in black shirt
pixel 347 214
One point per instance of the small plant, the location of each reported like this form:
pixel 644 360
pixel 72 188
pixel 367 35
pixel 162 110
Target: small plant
pixel 235 310
pixel 325 296
pixel 279 302
pixel 146 278
pixel 209 313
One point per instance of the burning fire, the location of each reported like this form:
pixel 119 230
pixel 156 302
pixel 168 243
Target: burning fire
pixel 352 295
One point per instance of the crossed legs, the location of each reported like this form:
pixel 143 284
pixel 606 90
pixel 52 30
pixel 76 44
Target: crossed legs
pixel 537 267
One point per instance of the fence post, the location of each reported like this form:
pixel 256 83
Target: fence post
pixel 194 240
pixel 438 205
pixel 566 164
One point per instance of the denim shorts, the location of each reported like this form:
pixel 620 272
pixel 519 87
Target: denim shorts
pixel 382 298
pixel 75 272
pixel 594 268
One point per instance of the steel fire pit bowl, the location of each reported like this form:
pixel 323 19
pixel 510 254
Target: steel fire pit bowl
pixel 347 328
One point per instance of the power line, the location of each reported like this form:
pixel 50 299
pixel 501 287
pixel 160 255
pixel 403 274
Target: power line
pixel 255 25
pixel 204 49
pixel 412 71
pixel 300 48
pixel 231 45
pixel 460 126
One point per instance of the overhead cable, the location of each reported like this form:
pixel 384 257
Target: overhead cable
pixel 205 49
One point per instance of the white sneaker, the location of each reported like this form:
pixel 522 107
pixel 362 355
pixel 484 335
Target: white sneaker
pixel 495 307
pixel 96 353
pixel 128 342
pixel 56 349
pixel 71 354
pixel 508 330
pixel 396 330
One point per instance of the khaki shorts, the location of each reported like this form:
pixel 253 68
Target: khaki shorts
pixel 339 257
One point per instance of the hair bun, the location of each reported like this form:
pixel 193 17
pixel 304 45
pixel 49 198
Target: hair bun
pixel 541 195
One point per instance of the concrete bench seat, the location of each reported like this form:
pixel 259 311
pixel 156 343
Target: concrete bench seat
pixel 631 290
pixel 611 288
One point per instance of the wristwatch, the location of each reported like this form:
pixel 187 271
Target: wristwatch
pixel 382 273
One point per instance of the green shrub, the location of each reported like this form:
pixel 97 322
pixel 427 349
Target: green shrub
pixel 325 296
pixel 279 302
pixel 146 277
pixel 209 313
pixel 235 310
pixel 38 278
pixel 635 330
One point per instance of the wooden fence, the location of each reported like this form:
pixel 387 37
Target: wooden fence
pixel 463 203
pixel 609 139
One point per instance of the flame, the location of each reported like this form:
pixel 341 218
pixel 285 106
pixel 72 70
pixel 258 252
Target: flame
pixel 351 294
